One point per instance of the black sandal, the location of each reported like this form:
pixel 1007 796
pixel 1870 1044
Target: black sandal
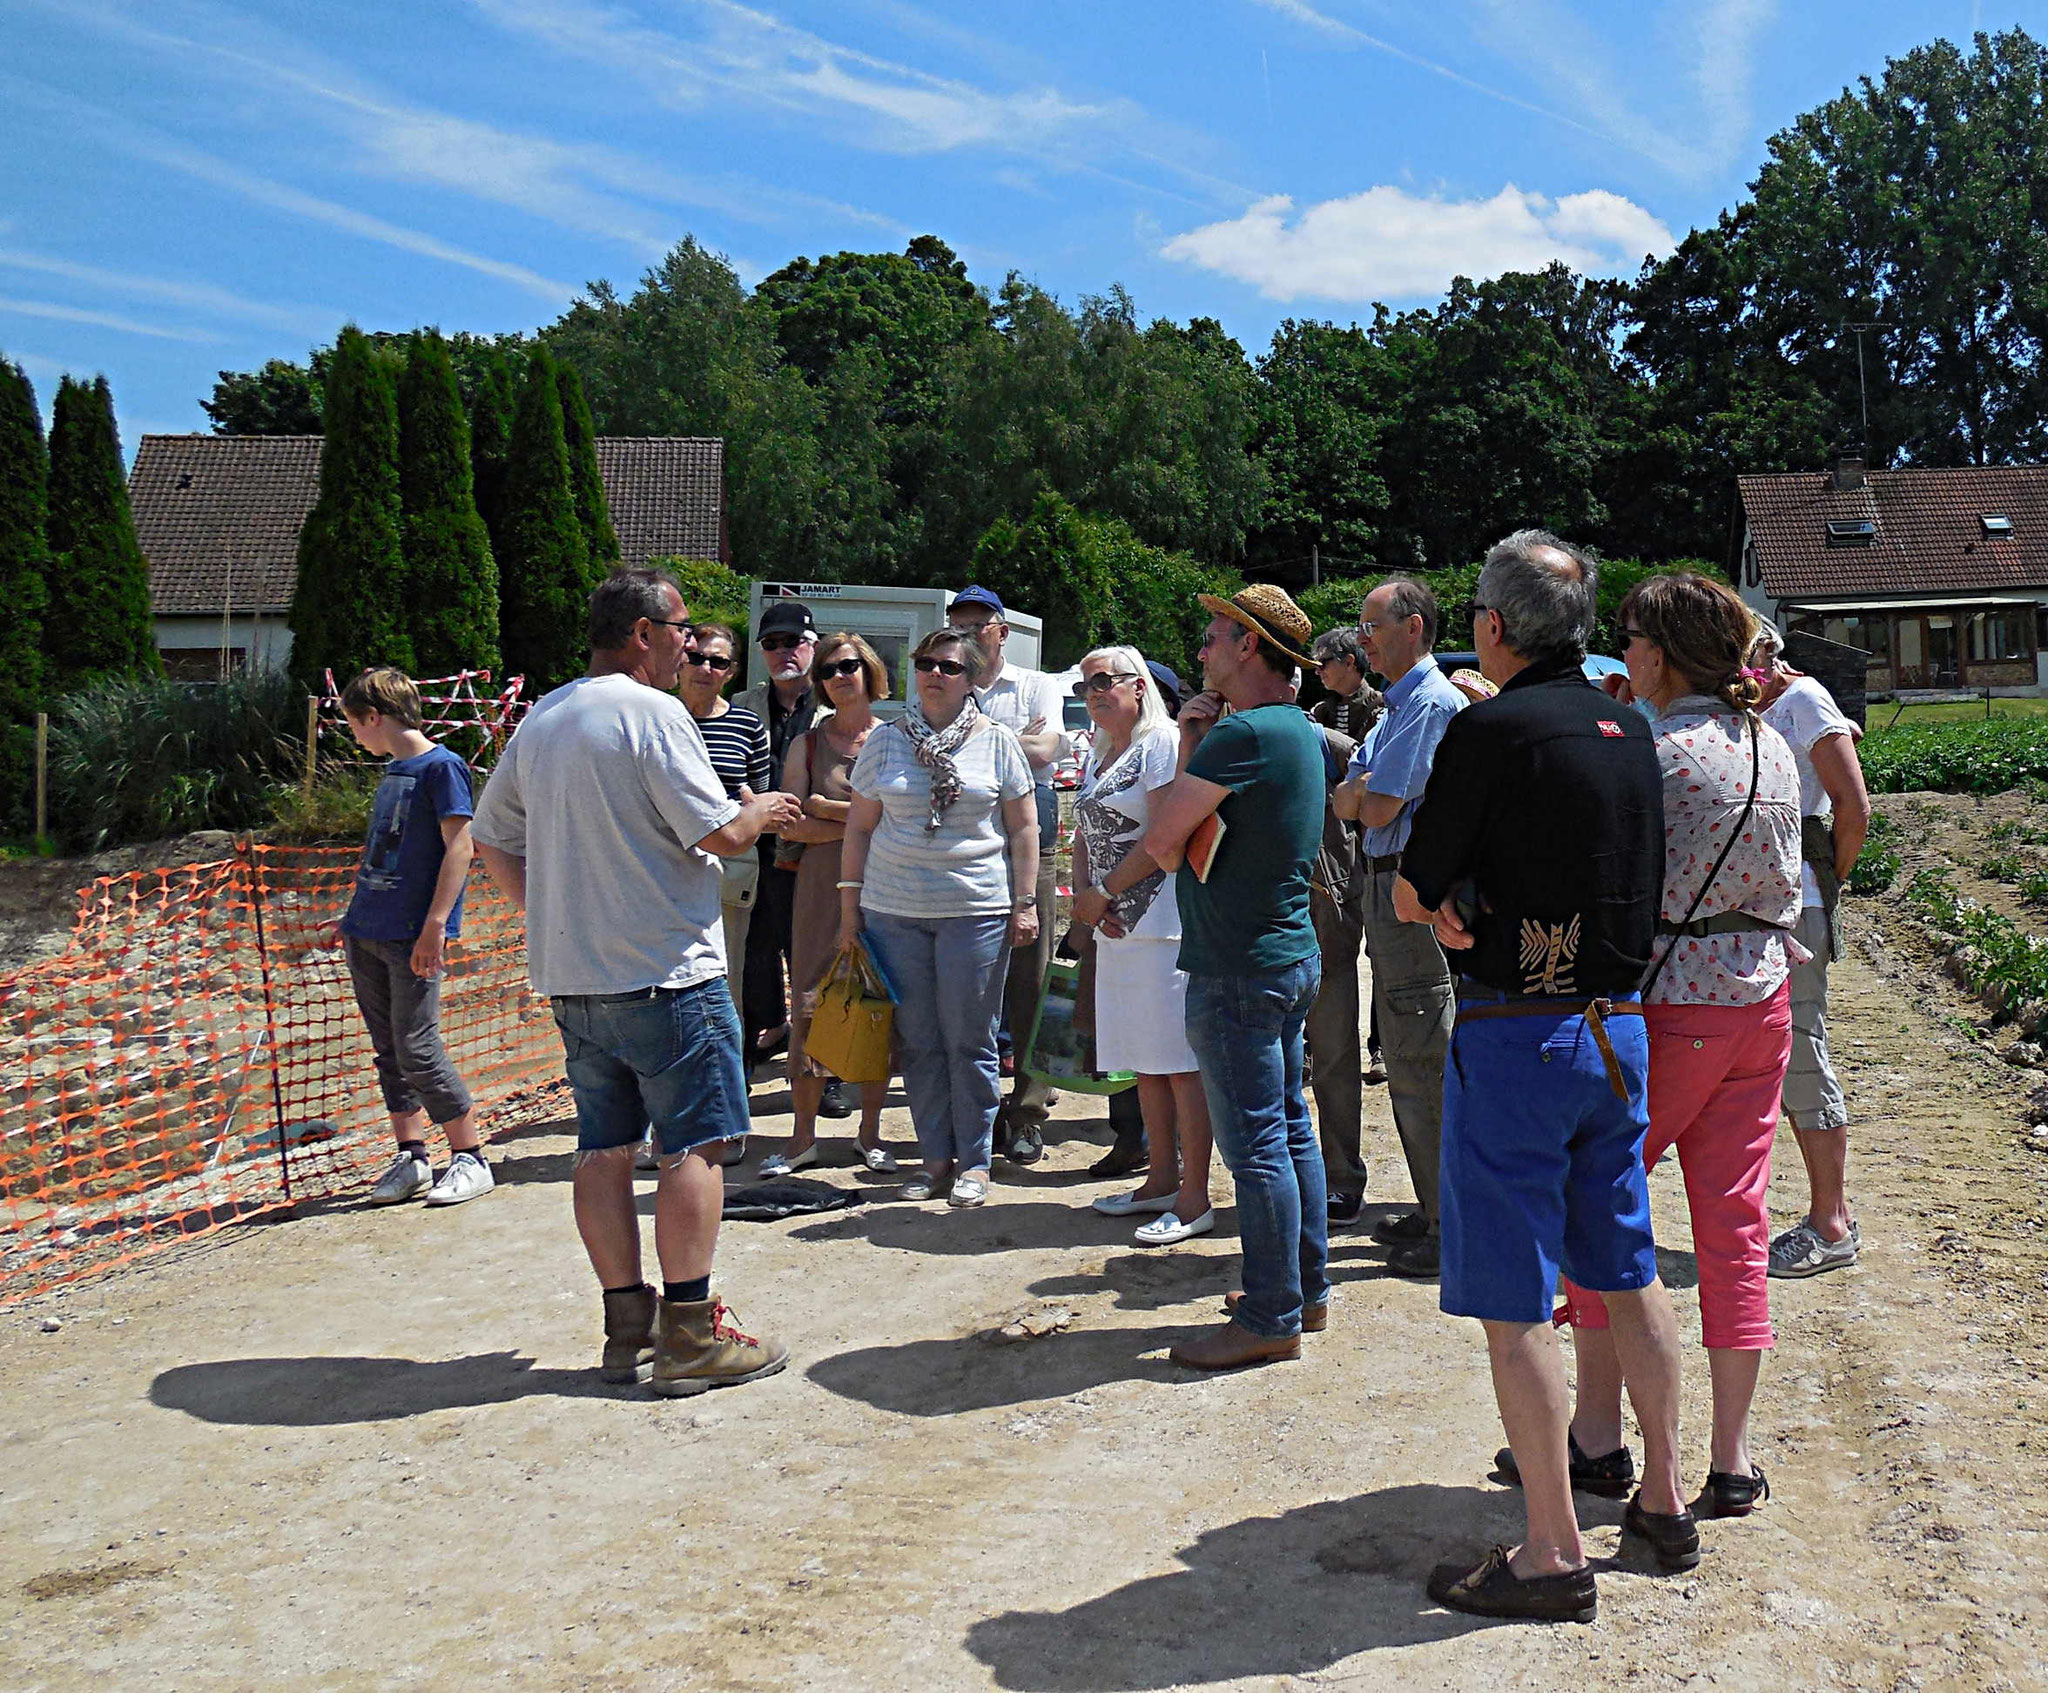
pixel 1612 1475
pixel 1727 1495
pixel 1675 1537
pixel 1494 1590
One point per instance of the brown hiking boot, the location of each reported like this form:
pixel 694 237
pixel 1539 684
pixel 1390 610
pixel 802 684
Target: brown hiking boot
pixel 1232 1346
pixel 696 1349
pixel 628 1335
pixel 1314 1318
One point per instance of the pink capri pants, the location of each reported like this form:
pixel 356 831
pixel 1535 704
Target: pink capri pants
pixel 1716 1072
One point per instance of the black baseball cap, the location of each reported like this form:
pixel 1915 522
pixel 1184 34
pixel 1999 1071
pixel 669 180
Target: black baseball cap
pixel 1172 690
pixel 785 617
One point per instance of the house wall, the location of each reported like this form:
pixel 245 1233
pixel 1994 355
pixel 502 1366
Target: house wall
pixel 264 642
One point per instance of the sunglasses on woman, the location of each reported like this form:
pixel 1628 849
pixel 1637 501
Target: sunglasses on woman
pixel 841 667
pixel 711 661
pixel 943 666
pixel 1102 681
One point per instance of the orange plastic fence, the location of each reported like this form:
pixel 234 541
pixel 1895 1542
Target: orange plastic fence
pixel 196 1057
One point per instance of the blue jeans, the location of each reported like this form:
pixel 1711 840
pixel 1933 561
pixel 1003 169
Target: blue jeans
pixel 1246 1032
pixel 948 976
pixel 670 1056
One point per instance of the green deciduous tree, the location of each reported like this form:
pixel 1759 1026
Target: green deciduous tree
pixel 281 398
pixel 24 480
pixel 544 575
pixel 99 624
pixel 350 607
pixel 451 577
pixel 600 540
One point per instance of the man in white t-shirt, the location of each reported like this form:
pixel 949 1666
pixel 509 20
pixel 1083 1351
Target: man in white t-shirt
pixel 1835 814
pixel 1028 703
pixel 604 822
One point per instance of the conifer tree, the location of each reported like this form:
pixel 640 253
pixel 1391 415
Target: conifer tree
pixel 544 575
pixel 491 405
pixel 451 578
pixel 350 606
pixel 99 622
pixel 24 477
pixel 591 510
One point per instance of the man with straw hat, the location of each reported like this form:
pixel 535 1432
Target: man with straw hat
pixel 1252 761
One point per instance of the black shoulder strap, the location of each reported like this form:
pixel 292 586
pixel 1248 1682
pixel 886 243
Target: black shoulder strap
pixel 1756 755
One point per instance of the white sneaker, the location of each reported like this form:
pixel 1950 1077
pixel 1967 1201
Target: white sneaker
pixel 465 1178
pixel 408 1178
pixel 1169 1230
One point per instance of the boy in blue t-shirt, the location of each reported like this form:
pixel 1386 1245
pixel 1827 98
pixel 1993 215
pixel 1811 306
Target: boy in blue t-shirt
pixel 407 905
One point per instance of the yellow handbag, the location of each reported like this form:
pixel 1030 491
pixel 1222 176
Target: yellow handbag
pixel 855 1016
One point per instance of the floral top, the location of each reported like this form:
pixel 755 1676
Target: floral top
pixel 1704 751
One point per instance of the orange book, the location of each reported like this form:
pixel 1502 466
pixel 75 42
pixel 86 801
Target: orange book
pixel 1200 851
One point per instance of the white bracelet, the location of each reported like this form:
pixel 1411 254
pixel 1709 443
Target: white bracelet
pixel 852 884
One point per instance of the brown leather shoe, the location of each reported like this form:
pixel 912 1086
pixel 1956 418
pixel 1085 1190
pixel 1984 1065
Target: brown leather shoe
pixel 628 1335
pixel 1231 1346
pixel 1314 1318
pixel 696 1349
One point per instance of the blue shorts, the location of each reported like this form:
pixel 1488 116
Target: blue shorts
pixel 1542 1164
pixel 669 1056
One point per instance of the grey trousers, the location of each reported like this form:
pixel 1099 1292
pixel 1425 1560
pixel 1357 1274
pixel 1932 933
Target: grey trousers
pixel 1333 1069
pixel 403 1014
pixel 1411 991
pixel 1026 1107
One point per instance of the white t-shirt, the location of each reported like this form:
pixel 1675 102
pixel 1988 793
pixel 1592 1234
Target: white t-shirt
pixel 962 869
pixel 1017 696
pixel 1806 714
pixel 605 790
pixel 1111 812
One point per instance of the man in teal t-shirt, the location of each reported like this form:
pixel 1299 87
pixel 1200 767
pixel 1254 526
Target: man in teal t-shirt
pixel 1252 960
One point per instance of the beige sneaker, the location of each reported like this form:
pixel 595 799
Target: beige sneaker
pixel 696 1349
pixel 628 1335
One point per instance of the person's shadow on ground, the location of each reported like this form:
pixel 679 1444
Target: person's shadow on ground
pixel 313 1392
pixel 941 1378
pixel 1268 1596
pixel 1005 1224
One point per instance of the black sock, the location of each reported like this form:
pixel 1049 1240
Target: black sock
pixel 690 1292
pixel 415 1148
pixel 476 1152
pixel 636 1287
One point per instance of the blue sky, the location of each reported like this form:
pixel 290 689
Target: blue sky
pixel 193 186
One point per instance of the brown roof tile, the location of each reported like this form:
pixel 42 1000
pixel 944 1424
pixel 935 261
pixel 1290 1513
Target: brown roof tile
pixel 1930 538
pixel 219 516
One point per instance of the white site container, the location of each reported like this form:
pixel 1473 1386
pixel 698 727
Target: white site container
pixel 891 620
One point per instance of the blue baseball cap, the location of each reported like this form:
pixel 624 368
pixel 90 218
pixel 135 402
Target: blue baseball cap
pixel 1172 689
pixel 976 594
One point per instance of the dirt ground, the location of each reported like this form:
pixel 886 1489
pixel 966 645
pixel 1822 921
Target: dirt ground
pixel 368 1449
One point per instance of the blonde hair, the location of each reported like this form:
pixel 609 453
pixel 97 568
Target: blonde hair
pixel 971 654
pixel 385 690
pixel 873 672
pixel 1151 708
pixel 1704 630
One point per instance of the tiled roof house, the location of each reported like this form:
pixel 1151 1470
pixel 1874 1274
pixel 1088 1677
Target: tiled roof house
pixel 219 516
pixel 1940 576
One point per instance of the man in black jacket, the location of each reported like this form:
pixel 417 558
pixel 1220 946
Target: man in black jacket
pixel 1538 855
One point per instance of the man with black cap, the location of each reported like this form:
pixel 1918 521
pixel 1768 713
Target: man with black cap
pixel 787 640
pixel 1028 702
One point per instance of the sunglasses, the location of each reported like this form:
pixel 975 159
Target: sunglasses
pixel 781 643
pixel 710 661
pixel 1102 681
pixel 1628 635
pixel 940 666
pixel 842 667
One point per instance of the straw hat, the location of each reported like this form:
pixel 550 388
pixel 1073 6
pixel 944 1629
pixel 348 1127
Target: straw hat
pixel 1269 614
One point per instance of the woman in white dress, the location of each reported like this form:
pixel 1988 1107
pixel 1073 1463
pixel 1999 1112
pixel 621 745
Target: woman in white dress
pixel 1140 989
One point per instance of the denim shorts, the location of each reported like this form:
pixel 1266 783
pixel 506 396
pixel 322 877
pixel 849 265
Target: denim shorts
pixel 666 1056
pixel 1543 1166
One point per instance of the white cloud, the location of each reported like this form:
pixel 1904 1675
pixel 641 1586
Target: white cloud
pixel 198 296
pixel 1388 244
pixel 99 320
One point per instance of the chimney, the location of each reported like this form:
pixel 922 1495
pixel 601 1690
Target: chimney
pixel 1849 468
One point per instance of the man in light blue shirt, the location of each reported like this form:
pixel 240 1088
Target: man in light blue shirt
pixel 1411 982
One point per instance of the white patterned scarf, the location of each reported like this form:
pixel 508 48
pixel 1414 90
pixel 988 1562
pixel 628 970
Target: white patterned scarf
pixel 935 749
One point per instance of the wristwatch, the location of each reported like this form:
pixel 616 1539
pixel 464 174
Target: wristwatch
pixel 1028 903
